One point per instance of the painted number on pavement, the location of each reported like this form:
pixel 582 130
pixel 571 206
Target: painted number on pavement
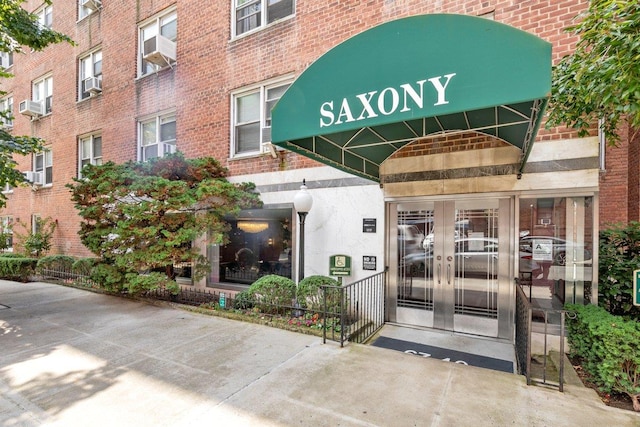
pixel 446 359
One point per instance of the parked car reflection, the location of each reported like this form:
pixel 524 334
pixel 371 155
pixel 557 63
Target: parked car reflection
pixel 557 249
pixel 474 257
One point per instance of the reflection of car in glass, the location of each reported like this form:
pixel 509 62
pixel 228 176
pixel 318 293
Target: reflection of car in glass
pixel 559 248
pixel 474 256
pixel 410 238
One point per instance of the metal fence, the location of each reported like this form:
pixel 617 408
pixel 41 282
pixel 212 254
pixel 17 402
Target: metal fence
pixel 352 312
pixel 537 371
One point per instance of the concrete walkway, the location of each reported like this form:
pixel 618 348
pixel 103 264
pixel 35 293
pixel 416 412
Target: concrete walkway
pixel 70 357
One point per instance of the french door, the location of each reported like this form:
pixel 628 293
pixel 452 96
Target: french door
pixel 453 264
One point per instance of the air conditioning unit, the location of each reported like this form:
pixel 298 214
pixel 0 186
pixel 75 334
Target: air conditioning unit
pixel 30 108
pixel 94 5
pixel 159 50
pixel 93 85
pixel 33 177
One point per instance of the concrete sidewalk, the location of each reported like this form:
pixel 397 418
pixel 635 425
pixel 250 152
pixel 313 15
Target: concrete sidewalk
pixel 70 357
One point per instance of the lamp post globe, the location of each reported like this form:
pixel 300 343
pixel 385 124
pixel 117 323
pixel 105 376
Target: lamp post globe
pixel 302 203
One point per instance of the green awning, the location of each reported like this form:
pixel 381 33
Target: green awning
pixel 411 78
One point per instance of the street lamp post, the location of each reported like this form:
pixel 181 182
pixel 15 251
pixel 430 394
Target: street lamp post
pixel 302 202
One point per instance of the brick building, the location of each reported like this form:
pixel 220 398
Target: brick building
pixel 147 78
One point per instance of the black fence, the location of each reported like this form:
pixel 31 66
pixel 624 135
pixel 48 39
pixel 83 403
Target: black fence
pixel 543 371
pixel 352 312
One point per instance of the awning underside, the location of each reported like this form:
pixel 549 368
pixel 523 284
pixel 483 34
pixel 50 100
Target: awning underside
pixel 362 151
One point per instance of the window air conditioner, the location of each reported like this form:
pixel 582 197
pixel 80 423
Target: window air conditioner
pixel 30 108
pixel 33 177
pixel 92 85
pixel 94 5
pixel 159 50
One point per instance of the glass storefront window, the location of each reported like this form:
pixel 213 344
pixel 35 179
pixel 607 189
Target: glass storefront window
pixel 557 243
pixel 260 244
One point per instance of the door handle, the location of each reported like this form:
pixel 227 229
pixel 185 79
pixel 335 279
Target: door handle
pixel 448 274
pixel 439 273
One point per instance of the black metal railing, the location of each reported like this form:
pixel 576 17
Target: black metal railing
pixel 535 370
pixel 361 308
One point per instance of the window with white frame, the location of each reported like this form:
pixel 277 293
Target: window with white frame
pixel 90 76
pixel 158 43
pixel 157 137
pixel 45 16
pixel 250 14
pixel 6 59
pixel 8 188
pixel 252 117
pixel 6 106
pixel 43 92
pixel 87 7
pixel 7 233
pixel 43 164
pixel 89 152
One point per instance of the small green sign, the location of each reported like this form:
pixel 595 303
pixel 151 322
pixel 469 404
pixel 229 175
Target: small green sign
pixel 340 265
pixel 636 287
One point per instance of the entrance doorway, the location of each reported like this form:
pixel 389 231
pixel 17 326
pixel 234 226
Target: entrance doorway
pixel 453 266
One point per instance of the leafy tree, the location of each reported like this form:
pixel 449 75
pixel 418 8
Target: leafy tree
pixel 601 79
pixel 143 217
pixel 19 28
pixel 36 242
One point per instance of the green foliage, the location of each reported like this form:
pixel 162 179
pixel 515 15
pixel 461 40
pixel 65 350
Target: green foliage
pixel 38 242
pixel 143 217
pixel 55 262
pixel 601 79
pixel 139 283
pixel 108 276
pixel 619 257
pixel 19 28
pixel 83 266
pixel 609 347
pixel 310 293
pixel 243 300
pixel 272 291
pixel 18 269
pixel 10 255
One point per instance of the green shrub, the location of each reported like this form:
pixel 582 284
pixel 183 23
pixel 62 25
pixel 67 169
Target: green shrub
pixel 107 276
pixel 83 266
pixel 272 291
pixel 10 255
pixel 18 269
pixel 138 283
pixel 609 347
pixel 310 293
pixel 243 300
pixel 619 257
pixel 55 262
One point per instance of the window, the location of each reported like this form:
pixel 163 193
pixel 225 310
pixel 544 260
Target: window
pixel 249 14
pixel 7 188
pixel 45 16
pixel 43 92
pixel 89 152
pixel 156 53
pixel 6 245
pixel 43 163
pixel 6 59
pixel 252 117
pixel 90 77
pixel 6 106
pixel 157 137
pixel 87 7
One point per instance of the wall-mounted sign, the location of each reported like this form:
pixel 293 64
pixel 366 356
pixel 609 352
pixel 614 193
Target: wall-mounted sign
pixel 340 265
pixel 368 262
pixel 636 287
pixel 542 249
pixel 369 225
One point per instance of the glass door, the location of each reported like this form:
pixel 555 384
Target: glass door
pixel 448 271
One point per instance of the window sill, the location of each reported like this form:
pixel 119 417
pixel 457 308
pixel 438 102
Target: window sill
pixel 262 28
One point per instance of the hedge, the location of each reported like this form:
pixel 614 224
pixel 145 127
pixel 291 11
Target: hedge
pixel 609 347
pixel 18 269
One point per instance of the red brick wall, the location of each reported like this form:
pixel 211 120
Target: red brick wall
pixel 210 66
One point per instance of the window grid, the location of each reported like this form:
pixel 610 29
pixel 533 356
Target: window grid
pixel 166 26
pixel 90 66
pixel 43 163
pixel 43 92
pixel 252 117
pixel 90 152
pixel 157 137
pixel 248 14
pixel 45 16
pixel 7 231
pixel 6 106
